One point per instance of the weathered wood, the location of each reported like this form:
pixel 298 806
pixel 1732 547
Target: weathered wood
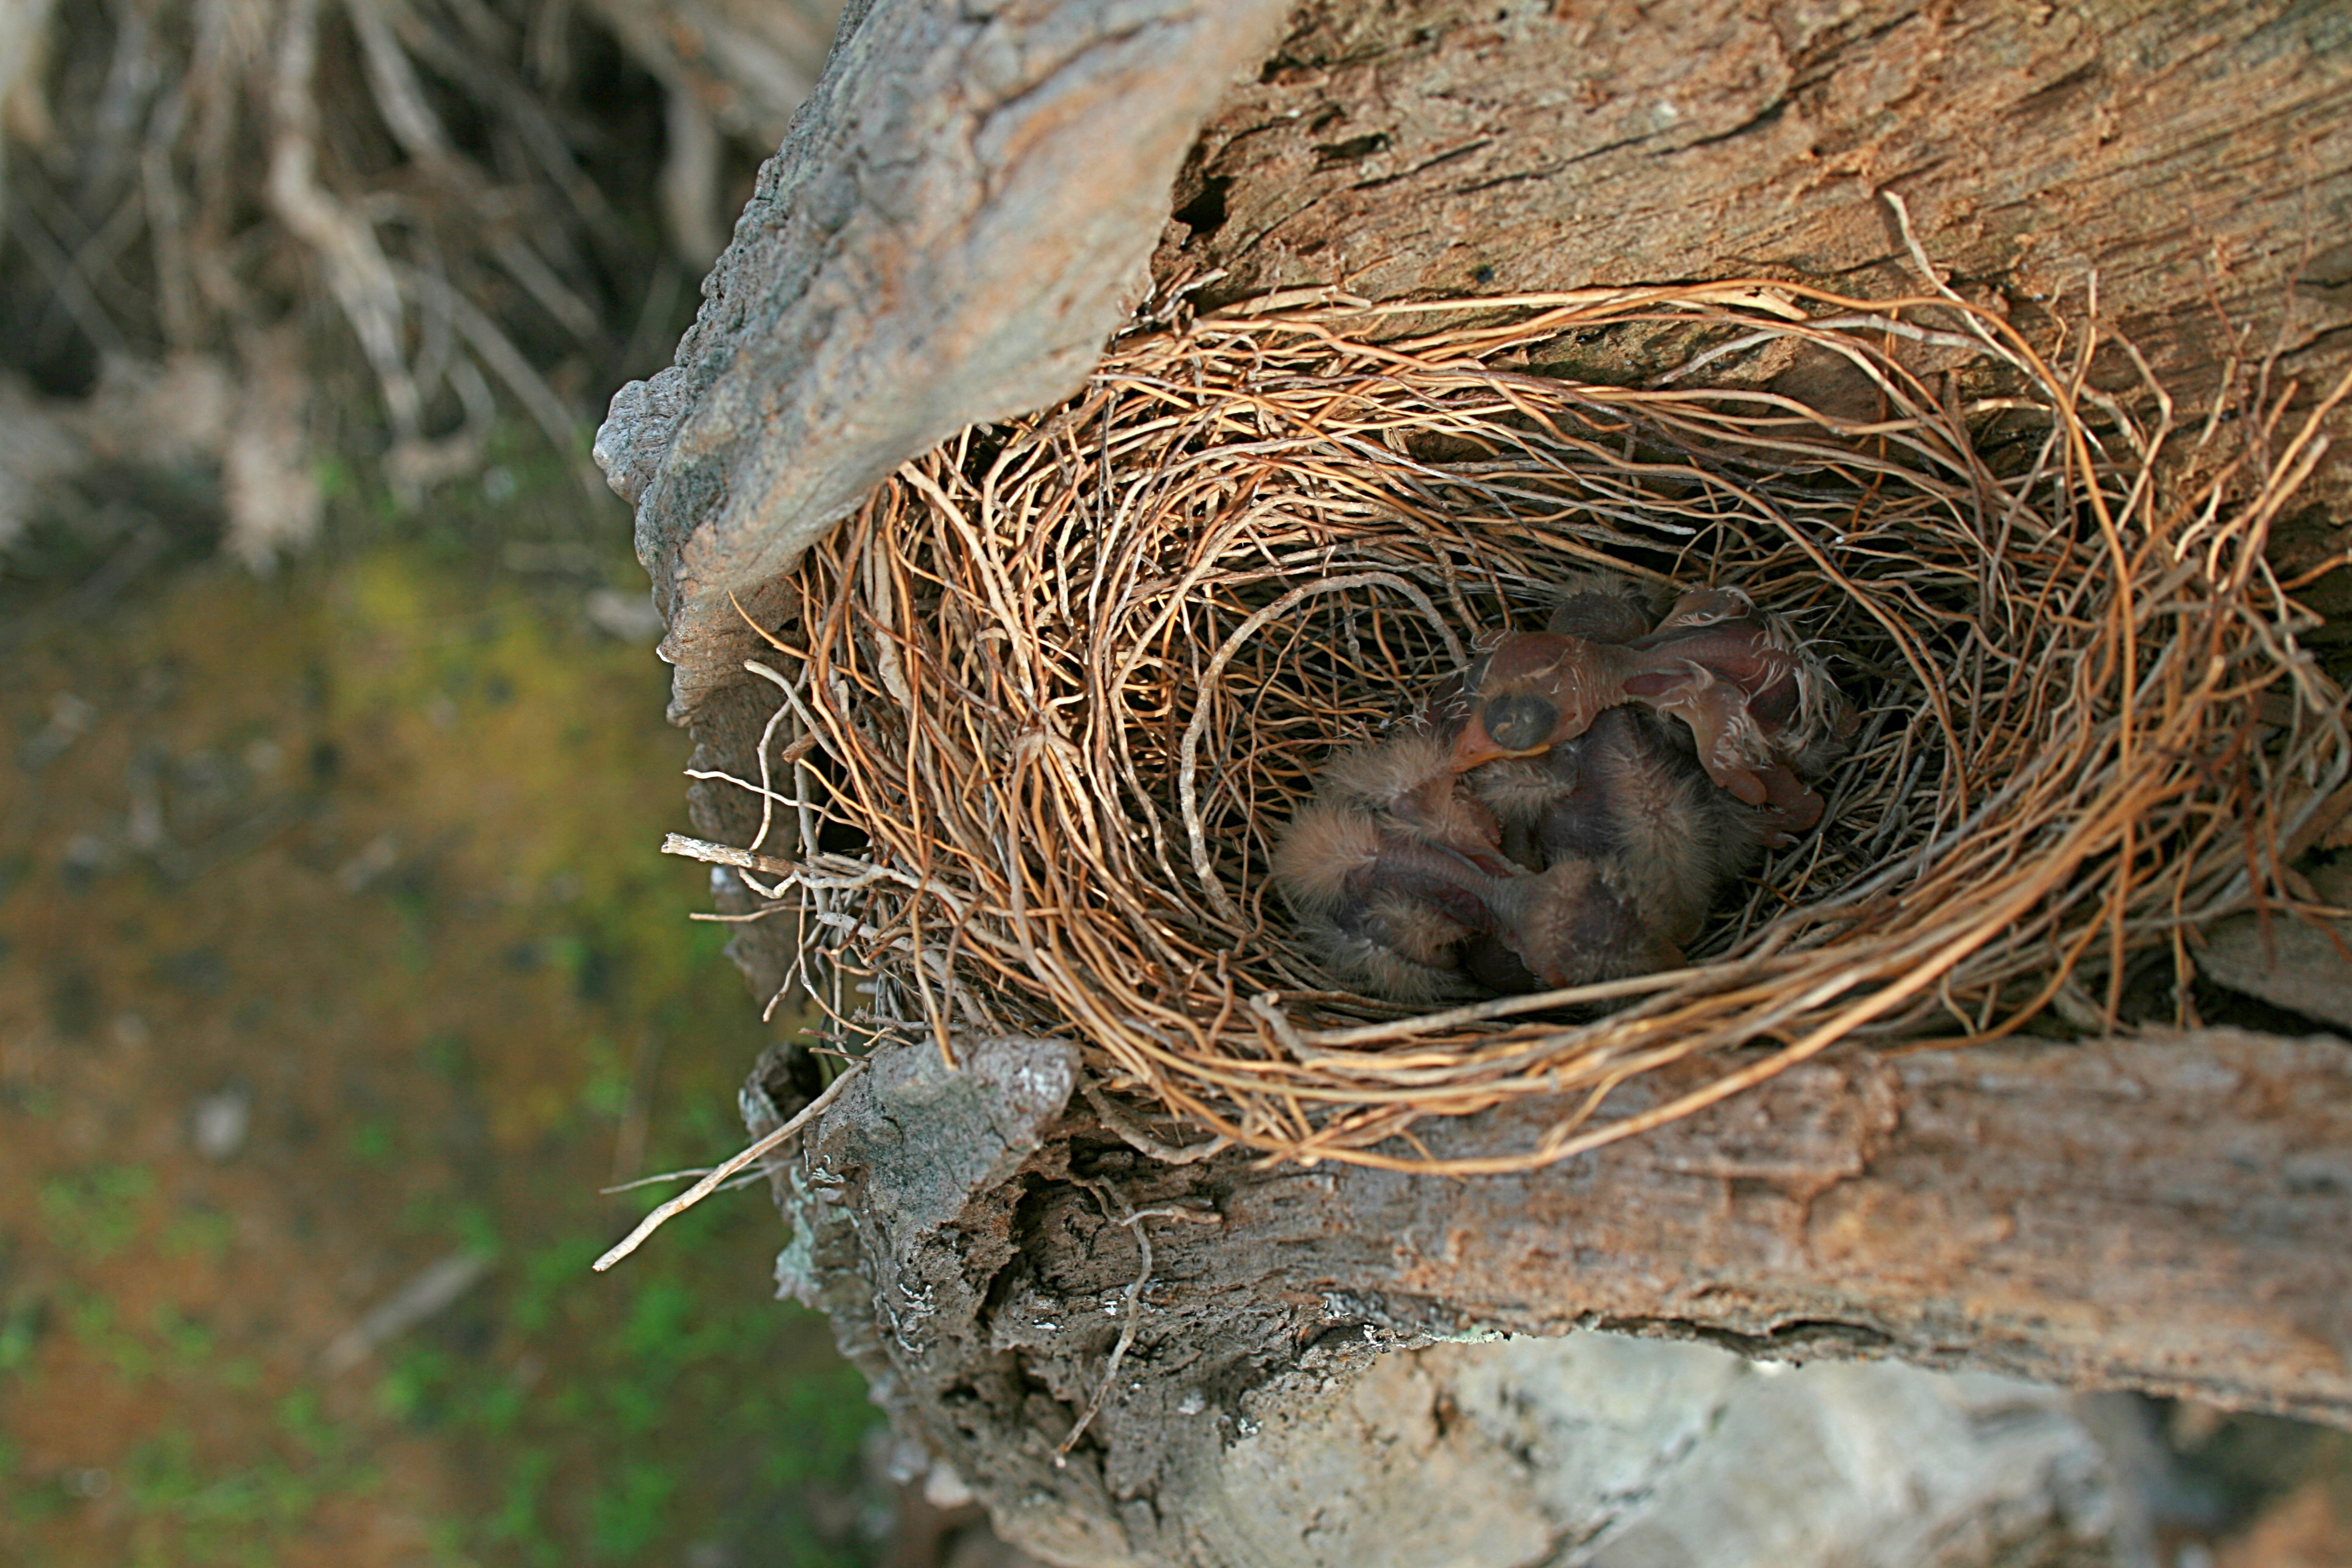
pixel 2166 1214
pixel 2195 156
pixel 956 221
pixel 963 204
pixel 2285 961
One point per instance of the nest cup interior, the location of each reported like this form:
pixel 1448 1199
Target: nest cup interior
pixel 1048 701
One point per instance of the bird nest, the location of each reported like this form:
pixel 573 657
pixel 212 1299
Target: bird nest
pixel 1049 698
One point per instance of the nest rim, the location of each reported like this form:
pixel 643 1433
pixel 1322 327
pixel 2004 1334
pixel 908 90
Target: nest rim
pixel 863 659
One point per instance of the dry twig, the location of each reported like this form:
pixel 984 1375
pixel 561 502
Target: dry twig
pixel 671 1208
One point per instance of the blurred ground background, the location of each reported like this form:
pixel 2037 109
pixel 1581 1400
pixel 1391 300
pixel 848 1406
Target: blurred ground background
pixel 338 969
pixel 335 952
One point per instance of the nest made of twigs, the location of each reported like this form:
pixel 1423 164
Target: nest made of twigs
pixel 1048 698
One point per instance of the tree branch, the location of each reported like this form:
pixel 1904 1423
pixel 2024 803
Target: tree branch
pixel 959 218
pixel 2167 1214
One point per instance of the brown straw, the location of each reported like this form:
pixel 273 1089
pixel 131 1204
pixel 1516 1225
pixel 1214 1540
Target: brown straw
pixel 1066 679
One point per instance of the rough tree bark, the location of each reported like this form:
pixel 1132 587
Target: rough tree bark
pixel 947 236
pixel 2172 1214
pixel 2195 156
pixel 960 215
pixel 964 205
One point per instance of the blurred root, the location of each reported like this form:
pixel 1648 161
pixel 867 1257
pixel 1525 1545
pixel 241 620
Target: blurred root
pixel 469 187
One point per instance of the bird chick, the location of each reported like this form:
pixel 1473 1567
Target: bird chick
pixel 1569 808
pixel 1577 923
pixel 1410 782
pixel 1388 912
pixel 1603 606
pixel 1527 689
pixel 1394 872
pixel 1761 707
pixel 1530 690
pixel 1635 844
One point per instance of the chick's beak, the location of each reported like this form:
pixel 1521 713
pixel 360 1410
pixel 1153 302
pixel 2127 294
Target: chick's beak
pixel 1516 726
pixel 1477 748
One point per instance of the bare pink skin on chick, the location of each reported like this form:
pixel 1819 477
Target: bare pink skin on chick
pixel 1764 713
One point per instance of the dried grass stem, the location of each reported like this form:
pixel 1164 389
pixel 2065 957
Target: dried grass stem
pixel 1065 680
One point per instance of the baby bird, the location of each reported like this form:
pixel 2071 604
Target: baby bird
pixel 1604 606
pixel 1763 709
pixel 1577 923
pixel 1573 804
pixel 1635 842
pixel 1389 914
pixel 1764 713
pixel 1598 859
pixel 1533 690
pixel 1396 874
pixel 1530 690
pixel 1516 691
pixel 1410 781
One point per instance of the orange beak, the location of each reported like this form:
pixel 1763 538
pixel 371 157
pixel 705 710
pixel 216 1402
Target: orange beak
pixel 1477 748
